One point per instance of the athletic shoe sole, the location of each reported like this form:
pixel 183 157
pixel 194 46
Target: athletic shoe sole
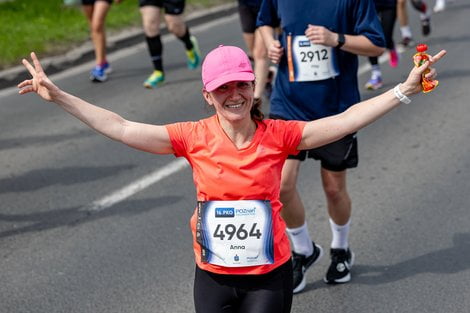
pixel 96 79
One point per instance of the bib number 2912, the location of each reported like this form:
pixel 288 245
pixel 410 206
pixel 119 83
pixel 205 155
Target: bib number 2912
pixel 312 56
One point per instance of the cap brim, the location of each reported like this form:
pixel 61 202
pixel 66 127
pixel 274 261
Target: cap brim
pixel 241 76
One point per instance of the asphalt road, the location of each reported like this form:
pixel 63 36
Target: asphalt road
pixel 63 248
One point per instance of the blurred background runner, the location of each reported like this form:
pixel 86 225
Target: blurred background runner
pixel 95 13
pixel 173 14
pixel 387 12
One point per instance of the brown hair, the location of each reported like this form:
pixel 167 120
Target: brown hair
pixel 256 112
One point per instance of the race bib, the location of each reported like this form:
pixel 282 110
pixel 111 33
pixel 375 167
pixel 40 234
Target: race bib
pixel 235 233
pixel 308 61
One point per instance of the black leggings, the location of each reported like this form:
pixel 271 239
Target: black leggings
pixel 267 293
pixel 387 16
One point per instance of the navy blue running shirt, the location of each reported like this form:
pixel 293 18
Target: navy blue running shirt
pixel 316 99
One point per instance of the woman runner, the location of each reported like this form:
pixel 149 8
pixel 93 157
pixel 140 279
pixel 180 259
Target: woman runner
pixel 241 249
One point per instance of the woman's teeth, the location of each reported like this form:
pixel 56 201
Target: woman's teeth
pixel 234 106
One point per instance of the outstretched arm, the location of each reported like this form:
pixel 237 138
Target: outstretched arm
pixel 146 137
pixel 322 131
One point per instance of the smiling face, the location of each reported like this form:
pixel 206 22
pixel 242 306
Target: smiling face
pixel 232 101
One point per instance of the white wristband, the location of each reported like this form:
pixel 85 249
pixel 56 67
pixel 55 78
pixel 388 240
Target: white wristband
pixel 400 96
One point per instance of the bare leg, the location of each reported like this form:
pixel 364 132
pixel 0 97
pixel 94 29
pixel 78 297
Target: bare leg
pixel 405 30
pixel 293 211
pixel 339 203
pixel 176 24
pixel 402 13
pixel 249 39
pixel 150 20
pixel 96 16
pixel 261 64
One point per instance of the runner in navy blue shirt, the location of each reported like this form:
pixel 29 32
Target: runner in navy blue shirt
pixel 317 77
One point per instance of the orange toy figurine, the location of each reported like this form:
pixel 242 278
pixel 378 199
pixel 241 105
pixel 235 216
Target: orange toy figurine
pixel 419 58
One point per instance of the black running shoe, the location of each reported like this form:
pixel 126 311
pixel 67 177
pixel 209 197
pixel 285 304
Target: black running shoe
pixel 341 262
pixel 426 26
pixel 301 263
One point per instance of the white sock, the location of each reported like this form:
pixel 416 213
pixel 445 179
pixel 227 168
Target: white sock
pixel 340 235
pixel 405 31
pixel 300 239
pixel 376 72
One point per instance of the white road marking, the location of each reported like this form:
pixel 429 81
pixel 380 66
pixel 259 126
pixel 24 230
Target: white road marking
pixel 136 186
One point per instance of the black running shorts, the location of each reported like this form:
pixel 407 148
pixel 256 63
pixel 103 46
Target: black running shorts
pixel 90 2
pixel 172 7
pixel 248 17
pixel 336 156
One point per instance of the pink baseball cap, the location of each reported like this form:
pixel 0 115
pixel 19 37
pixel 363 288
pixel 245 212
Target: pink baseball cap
pixel 225 64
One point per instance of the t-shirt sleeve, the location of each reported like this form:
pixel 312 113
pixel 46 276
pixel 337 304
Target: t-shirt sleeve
pixel 179 137
pixel 296 129
pixel 267 15
pixel 291 134
pixel 367 22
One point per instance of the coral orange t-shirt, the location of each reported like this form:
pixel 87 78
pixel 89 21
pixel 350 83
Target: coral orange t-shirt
pixel 221 171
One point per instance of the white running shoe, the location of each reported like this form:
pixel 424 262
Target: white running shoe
pixel 440 6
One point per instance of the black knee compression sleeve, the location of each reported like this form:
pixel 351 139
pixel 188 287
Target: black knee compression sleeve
pixel 155 49
pixel 186 39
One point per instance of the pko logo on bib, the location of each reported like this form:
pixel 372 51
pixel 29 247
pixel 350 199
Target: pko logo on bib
pixel 304 43
pixel 224 212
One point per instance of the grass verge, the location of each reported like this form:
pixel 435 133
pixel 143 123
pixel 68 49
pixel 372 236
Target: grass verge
pixel 50 27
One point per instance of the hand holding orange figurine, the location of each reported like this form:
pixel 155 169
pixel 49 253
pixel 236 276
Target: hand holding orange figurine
pixel 419 58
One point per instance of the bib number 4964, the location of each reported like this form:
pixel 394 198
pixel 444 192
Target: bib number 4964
pixel 235 233
pixel 231 230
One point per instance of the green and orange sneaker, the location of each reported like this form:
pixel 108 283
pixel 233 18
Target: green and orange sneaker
pixel 154 80
pixel 193 55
